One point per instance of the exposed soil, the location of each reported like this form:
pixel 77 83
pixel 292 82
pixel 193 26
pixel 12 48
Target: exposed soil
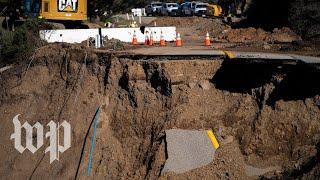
pixel 283 35
pixel 263 115
pixel 193 31
pixel 198 26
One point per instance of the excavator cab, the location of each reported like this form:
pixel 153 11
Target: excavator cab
pixel 31 8
pixel 64 10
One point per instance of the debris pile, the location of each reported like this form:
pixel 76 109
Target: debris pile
pixel 251 35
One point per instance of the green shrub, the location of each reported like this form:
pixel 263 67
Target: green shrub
pixel 19 43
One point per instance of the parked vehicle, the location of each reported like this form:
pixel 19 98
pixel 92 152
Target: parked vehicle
pixel 186 9
pixel 193 4
pixel 200 9
pixel 153 9
pixel 171 9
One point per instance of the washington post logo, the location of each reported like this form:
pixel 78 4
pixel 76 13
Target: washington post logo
pixel 53 135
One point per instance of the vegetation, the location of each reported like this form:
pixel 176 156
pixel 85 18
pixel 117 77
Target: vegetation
pixel 19 43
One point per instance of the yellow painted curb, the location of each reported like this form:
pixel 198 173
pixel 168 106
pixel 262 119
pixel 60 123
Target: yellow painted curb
pixel 213 139
pixel 229 54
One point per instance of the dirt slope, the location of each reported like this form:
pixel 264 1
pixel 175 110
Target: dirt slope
pixel 263 115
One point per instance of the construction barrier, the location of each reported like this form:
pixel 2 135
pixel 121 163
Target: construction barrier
pixel 122 34
pixel 134 38
pixel 207 40
pixel 178 40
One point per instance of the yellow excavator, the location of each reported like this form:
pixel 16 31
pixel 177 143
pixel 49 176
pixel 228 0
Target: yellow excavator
pixel 214 10
pixel 64 10
pixel 59 13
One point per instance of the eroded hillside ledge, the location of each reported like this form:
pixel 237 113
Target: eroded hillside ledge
pixel 263 115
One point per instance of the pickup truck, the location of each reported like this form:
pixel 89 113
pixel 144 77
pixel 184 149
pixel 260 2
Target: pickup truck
pixel 171 9
pixel 200 9
pixel 153 9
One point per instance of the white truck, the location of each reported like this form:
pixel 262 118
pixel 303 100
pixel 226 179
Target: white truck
pixel 200 9
pixel 171 9
pixel 153 9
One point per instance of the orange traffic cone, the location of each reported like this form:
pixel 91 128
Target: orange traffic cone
pixel 178 40
pixel 134 38
pixel 146 40
pixel 162 41
pixel 207 40
pixel 151 39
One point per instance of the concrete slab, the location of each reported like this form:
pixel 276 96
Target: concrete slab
pixel 187 150
pixel 307 59
pixel 256 172
pixel 257 55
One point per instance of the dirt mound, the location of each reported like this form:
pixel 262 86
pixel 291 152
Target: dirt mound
pixel 249 35
pixel 263 115
pixel 284 35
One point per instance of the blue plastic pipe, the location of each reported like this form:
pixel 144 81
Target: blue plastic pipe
pixel 96 120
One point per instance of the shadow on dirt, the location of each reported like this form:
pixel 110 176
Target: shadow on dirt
pixel 291 82
pixel 300 82
pixel 243 77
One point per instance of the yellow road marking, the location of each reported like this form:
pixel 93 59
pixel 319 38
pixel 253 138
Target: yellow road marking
pixel 229 54
pixel 213 139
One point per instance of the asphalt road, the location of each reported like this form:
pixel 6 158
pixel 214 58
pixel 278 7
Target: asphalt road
pixel 235 55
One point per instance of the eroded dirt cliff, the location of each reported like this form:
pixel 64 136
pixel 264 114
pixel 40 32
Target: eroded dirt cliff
pixel 263 115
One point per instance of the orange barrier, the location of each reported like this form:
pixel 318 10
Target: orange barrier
pixel 178 40
pixel 207 40
pixel 134 38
